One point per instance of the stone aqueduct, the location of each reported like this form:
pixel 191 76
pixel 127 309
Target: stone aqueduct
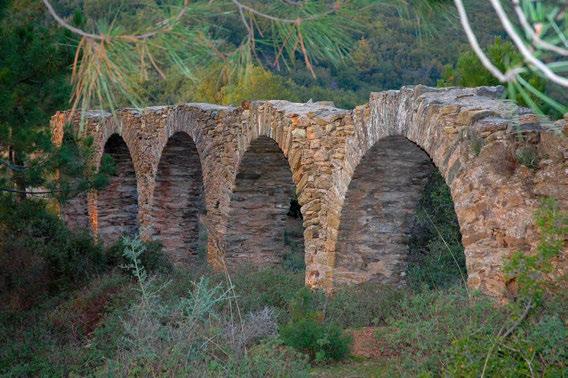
pixel 358 175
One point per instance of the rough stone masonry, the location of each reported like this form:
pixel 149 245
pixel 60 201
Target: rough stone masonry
pixel 357 174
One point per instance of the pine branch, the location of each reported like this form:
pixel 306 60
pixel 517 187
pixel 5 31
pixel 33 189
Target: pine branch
pixel 168 25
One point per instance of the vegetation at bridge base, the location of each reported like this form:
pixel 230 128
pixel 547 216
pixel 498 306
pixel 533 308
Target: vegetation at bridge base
pixel 41 257
pixel 125 311
pixel 129 322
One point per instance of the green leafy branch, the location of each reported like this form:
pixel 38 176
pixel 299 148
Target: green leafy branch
pixel 539 33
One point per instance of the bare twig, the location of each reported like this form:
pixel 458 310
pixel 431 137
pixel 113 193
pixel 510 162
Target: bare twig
pixel 43 192
pixel 12 166
pixel 298 20
pixel 537 41
pixel 168 25
pixel 501 336
pixel 525 52
pixel 305 52
pixel 519 321
pixel 502 77
pixel 68 26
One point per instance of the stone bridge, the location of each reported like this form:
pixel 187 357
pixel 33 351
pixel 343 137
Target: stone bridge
pixel 357 175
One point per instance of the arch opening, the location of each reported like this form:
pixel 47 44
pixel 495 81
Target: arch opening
pixel 265 226
pixel 379 233
pixel 178 201
pixel 117 204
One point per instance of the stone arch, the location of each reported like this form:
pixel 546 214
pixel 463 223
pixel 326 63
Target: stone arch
pixel 258 215
pixel 178 201
pixel 398 140
pixel 493 195
pixel 121 193
pixel 378 210
pixel 471 136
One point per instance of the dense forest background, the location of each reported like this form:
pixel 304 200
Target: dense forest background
pixel 391 46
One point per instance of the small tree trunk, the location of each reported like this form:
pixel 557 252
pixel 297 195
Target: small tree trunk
pixel 19 180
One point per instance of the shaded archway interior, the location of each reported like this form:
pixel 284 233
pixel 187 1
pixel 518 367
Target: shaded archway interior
pixel 117 204
pixel 263 224
pixel 178 199
pixel 378 212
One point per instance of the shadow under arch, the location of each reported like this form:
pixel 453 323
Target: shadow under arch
pixel 178 199
pixel 117 203
pixel 264 222
pixel 379 212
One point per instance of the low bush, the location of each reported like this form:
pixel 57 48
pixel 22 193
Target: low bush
pixel 272 287
pixel 310 333
pixel 39 254
pixel 320 341
pixel 195 322
pixel 153 258
pixel 66 334
pixel 367 304
pixel 273 359
pixel 539 347
pixel 189 336
pixel 426 324
pixel 293 259
pixel 454 333
pixel 533 339
pixel 527 156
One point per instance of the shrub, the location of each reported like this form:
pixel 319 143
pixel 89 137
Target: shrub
pixel 428 323
pixel 451 333
pixel 272 359
pixel 308 332
pixel 533 339
pixel 321 342
pixel 530 271
pixel 272 287
pixel 535 347
pixel 79 316
pixel 153 259
pixel 294 257
pixel 40 255
pixel 476 143
pixel 67 334
pixel 52 256
pixel 527 156
pixel 367 304
pixel 189 336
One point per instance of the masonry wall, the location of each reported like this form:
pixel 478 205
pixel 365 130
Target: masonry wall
pixel 350 170
pixel 117 204
pixel 177 204
pixel 376 218
pixel 260 202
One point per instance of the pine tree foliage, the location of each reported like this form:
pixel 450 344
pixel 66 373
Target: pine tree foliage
pixel 118 51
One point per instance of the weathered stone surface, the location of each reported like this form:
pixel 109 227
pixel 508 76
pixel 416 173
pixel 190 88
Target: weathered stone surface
pixel 357 176
pixel 178 199
pixel 257 231
pixel 377 212
pixel 117 204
